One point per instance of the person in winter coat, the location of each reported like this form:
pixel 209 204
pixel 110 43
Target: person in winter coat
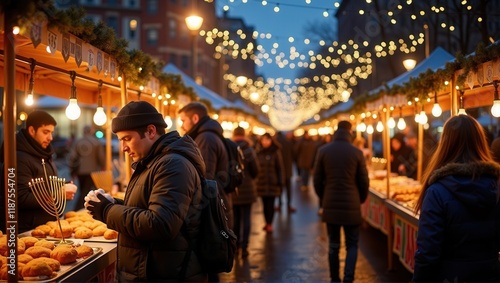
pixel 247 192
pixel 306 151
pixel 341 182
pixel 459 225
pixel 287 153
pixel 159 215
pixel 402 157
pixel 86 156
pixel 206 132
pixel 34 160
pixel 271 177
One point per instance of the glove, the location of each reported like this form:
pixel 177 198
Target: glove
pixel 70 190
pixel 99 209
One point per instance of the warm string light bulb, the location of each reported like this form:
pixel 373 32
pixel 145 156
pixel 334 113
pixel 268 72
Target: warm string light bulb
pixel 380 126
pixel 73 110
pixel 391 123
pixel 423 118
pixel 401 123
pixel 369 129
pixel 99 116
pixel 361 127
pixel 495 109
pixel 436 109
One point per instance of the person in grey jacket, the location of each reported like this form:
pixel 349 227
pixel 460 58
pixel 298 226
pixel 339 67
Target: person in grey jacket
pixel 341 181
pixel 159 215
pixel 86 156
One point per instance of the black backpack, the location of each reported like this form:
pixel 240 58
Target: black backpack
pixel 216 244
pixel 236 164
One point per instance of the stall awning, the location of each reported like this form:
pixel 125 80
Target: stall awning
pixel 217 101
pixel 436 60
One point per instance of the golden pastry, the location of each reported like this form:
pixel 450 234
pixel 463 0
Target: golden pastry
pixel 39 233
pixel 4 275
pixel 64 254
pixel 29 241
pixel 99 230
pixel 54 264
pixel 46 244
pixel 38 251
pixel 45 228
pixel 67 232
pixel 84 251
pixel 83 233
pixel 70 214
pixel 36 268
pixel 24 258
pixel 110 234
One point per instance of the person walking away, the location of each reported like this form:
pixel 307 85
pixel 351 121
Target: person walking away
pixel 160 214
pixel 341 181
pixel 459 224
pixel 306 151
pixel 287 154
pixel 86 156
pixel 206 132
pixel 271 177
pixel 247 192
pixel 34 160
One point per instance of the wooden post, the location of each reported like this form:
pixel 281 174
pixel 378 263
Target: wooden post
pixel 387 155
pixel 420 151
pixel 126 163
pixel 109 149
pixel 454 99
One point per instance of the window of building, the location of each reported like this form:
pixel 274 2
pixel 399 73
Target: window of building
pixel 172 29
pixel 152 7
pixel 112 21
pixel 132 3
pixel 173 59
pixel 112 2
pixel 152 37
pixel 184 62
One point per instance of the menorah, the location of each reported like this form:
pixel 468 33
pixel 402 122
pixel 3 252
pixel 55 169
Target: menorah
pixel 51 196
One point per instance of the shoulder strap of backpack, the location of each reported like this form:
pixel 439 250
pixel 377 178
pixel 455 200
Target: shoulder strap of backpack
pixel 187 257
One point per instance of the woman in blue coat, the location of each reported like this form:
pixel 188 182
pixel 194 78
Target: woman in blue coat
pixel 458 233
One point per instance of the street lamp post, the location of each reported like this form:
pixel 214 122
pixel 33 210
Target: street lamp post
pixel 194 24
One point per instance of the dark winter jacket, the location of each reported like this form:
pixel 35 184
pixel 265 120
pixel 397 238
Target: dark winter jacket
pixel 341 180
pixel 247 191
pixel 287 153
pixel 158 212
pixel 206 135
pixel 29 166
pixel 271 172
pixel 458 231
pixel 87 155
pixel 306 151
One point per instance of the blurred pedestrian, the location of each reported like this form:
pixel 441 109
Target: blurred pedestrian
pixel 287 154
pixel 401 155
pixel 341 181
pixel 206 132
pixel 159 218
pixel 86 156
pixel 34 160
pixel 459 224
pixel 306 151
pixel 271 177
pixel 247 192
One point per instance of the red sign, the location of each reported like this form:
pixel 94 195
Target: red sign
pixel 405 241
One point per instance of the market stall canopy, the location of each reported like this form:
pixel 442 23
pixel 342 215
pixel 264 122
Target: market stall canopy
pixel 238 103
pixel 217 101
pixel 436 60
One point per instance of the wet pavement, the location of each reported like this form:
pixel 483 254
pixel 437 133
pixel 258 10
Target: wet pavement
pixel 297 249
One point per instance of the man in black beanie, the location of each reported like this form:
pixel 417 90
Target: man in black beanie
pixel 158 217
pixel 341 182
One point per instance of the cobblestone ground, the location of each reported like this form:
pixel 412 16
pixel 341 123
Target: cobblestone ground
pixel 296 251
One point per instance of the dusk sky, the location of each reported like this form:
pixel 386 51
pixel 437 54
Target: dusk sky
pixel 291 20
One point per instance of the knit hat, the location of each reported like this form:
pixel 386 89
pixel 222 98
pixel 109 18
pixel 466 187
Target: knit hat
pixel 137 114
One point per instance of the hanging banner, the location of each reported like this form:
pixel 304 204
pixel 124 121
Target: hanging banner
pixel 91 59
pixel 489 72
pixel 36 34
pixel 52 42
pixel 106 65
pixel 480 75
pixel 112 70
pixel 470 80
pixel 78 52
pixel 99 62
pixel 405 241
pixel 65 47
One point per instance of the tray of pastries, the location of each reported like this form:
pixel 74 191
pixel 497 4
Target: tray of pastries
pixel 43 260
pixel 75 225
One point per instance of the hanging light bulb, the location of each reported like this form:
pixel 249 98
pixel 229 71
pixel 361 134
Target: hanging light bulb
pixel 99 116
pixel 417 118
pixel 436 109
pixel 391 123
pixel 73 110
pixel 461 110
pixel 29 101
pixel 495 109
pixel 380 126
pixel 361 127
pixel 401 121
pixel 423 118
pixel 369 129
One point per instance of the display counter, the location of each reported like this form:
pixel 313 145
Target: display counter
pixel 375 212
pixel 405 227
pixel 100 268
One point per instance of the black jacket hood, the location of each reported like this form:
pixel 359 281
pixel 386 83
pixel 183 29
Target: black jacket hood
pixel 473 184
pixel 205 124
pixel 27 144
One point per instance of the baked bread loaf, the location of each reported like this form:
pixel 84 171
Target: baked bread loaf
pixel 37 251
pixel 64 254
